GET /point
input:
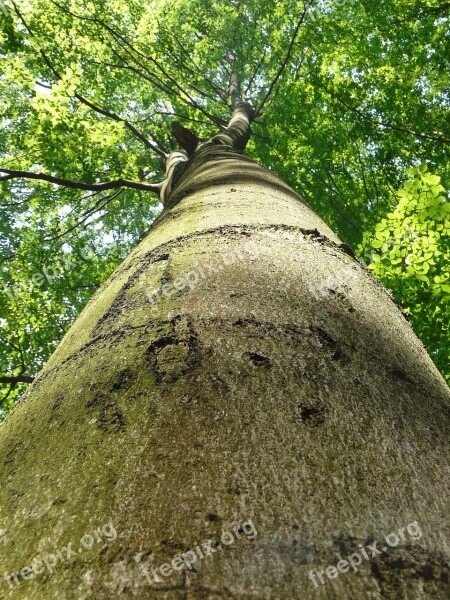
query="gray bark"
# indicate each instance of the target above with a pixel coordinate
(281, 386)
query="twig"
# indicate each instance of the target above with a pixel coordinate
(426, 136)
(287, 57)
(90, 104)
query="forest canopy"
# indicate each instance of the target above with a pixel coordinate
(352, 112)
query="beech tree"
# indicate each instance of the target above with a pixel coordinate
(89, 93)
(241, 409)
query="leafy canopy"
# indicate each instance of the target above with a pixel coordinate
(352, 96)
(410, 253)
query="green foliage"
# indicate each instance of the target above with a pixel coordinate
(362, 98)
(409, 251)
(11, 39)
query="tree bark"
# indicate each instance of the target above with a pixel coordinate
(239, 365)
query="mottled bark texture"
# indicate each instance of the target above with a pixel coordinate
(285, 387)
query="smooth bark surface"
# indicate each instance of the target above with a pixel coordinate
(282, 386)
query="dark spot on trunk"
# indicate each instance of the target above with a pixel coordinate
(162, 343)
(59, 501)
(399, 374)
(213, 517)
(389, 569)
(345, 544)
(165, 278)
(311, 232)
(328, 343)
(347, 249)
(218, 383)
(428, 572)
(98, 398)
(259, 360)
(110, 419)
(122, 380)
(312, 415)
(374, 567)
(171, 357)
(342, 300)
(160, 257)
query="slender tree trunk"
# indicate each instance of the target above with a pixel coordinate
(240, 372)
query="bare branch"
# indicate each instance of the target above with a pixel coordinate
(78, 185)
(13, 379)
(175, 166)
(180, 116)
(6, 396)
(197, 70)
(159, 150)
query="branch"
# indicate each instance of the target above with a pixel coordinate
(258, 66)
(127, 124)
(78, 185)
(120, 38)
(187, 140)
(287, 57)
(422, 12)
(235, 89)
(180, 116)
(175, 166)
(151, 77)
(99, 205)
(6, 396)
(238, 130)
(13, 379)
(426, 136)
(198, 70)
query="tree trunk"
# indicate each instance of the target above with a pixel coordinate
(240, 378)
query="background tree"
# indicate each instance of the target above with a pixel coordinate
(353, 96)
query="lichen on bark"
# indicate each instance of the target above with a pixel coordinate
(284, 386)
